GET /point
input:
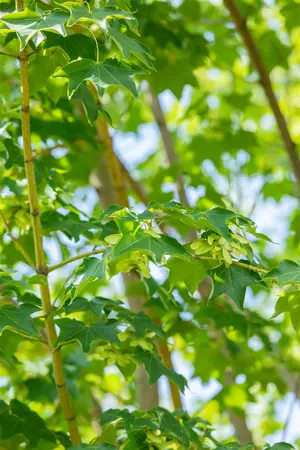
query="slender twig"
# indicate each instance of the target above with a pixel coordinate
(19, 246)
(75, 258)
(135, 185)
(168, 143)
(58, 369)
(113, 162)
(166, 357)
(170, 151)
(62, 287)
(10, 55)
(203, 289)
(234, 263)
(266, 83)
(258, 196)
(114, 175)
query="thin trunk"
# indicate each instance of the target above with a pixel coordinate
(242, 431)
(110, 182)
(167, 139)
(239, 422)
(38, 247)
(254, 53)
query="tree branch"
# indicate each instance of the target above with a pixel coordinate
(265, 80)
(74, 258)
(19, 246)
(112, 160)
(168, 143)
(59, 375)
(256, 269)
(204, 288)
(135, 185)
(10, 55)
(291, 410)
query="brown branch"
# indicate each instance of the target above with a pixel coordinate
(265, 80)
(204, 288)
(166, 357)
(110, 184)
(168, 143)
(135, 185)
(243, 433)
(112, 160)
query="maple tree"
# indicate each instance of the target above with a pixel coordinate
(112, 272)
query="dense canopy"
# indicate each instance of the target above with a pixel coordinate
(150, 225)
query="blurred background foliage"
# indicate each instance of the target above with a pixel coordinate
(208, 97)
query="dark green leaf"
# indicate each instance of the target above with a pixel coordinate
(109, 73)
(155, 247)
(81, 12)
(130, 46)
(19, 419)
(102, 446)
(288, 272)
(156, 369)
(69, 224)
(91, 268)
(142, 323)
(190, 272)
(28, 23)
(96, 305)
(75, 330)
(232, 281)
(18, 319)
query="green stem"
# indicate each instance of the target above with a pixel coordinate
(10, 55)
(74, 258)
(38, 247)
(234, 263)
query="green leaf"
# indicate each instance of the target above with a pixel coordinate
(38, 279)
(155, 369)
(288, 272)
(75, 330)
(216, 219)
(74, 45)
(190, 272)
(289, 302)
(219, 218)
(232, 281)
(95, 305)
(108, 73)
(130, 46)
(19, 419)
(273, 51)
(102, 446)
(155, 247)
(81, 12)
(235, 446)
(132, 420)
(171, 426)
(14, 154)
(41, 67)
(92, 109)
(70, 224)
(142, 323)
(91, 268)
(28, 23)
(18, 319)
(281, 446)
